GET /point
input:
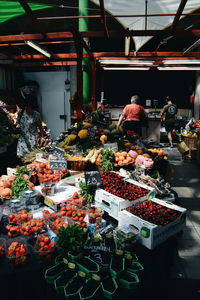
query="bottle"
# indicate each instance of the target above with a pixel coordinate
(67, 275)
(91, 287)
(110, 242)
(117, 261)
(76, 283)
(128, 258)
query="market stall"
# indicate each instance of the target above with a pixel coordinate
(85, 212)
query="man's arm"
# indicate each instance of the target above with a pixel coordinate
(162, 113)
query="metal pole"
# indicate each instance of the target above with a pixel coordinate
(83, 26)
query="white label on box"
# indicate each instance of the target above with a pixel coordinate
(112, 146)
(11, 171)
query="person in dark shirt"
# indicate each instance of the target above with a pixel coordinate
(169, 112)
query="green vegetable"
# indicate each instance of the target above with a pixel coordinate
(71, 238)
(21, 170)
(107, 160)
(88, 192)
(19, 185)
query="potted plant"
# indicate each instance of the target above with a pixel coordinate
(70, 241)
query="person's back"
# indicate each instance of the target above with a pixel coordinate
(133, 111)
(170, 111)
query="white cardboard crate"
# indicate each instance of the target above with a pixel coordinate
(113, 204)
(151, 235)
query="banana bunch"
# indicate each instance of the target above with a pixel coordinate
(92, 155)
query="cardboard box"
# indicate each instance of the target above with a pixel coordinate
(151, 235)
(113, 204)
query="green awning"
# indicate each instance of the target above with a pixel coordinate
(10, 9)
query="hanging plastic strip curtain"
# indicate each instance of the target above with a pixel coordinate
(10, 9)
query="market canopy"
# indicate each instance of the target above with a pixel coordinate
(160, 30)
(147, 14)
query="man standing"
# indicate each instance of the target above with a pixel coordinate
(169, 112)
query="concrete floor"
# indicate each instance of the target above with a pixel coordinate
(186, 268)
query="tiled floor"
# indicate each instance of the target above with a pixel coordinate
(186, 182)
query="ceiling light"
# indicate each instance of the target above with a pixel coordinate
(38, 48)
(186, 68)
(181, 62)
(126, 62)
(126, 69)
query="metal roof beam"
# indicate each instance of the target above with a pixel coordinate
(111, 55)
(114, 34)
(114, 16)
(45, 64)
(31, 15)
(178, 13)
(103, 18)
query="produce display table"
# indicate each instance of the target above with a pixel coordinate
(28, 282)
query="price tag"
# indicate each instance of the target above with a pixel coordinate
(151, 195)
(38, 156)
(92, 178)
(58, 152)
(11, 171)
(112, 146)
(58, 164)
(48, 202)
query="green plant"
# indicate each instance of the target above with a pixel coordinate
(107, 160)
(21, 170)
(71, 238)
(19, 185)
(88, 192)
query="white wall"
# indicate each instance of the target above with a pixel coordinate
(53, 99)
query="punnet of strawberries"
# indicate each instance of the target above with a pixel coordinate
(154, 213)
(116, 185)
(74, 213)
(57, 224)
(31, 227)
(19, 218)
(44, 247)
(17, 253)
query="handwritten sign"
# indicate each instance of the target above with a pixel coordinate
(99, 254)
(92, 178)
(58, 152)
(58, 164)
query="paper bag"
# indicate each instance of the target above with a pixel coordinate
(183, 148)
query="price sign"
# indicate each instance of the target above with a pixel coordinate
(58, 164)
(101, 255)
(48, 202)
(58, 152)
(92, 178)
